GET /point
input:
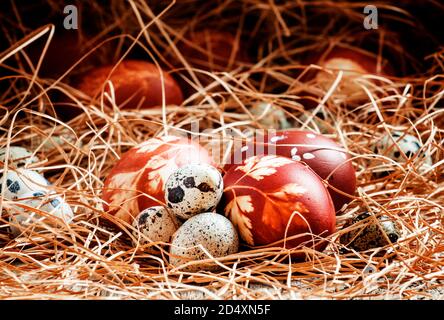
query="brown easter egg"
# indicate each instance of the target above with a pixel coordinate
(353, 64)
(137, 180)
(137, 84)
(271, 198)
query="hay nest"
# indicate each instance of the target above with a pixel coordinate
(89, 259)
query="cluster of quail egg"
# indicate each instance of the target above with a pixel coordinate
(188, 221)
(33, 201)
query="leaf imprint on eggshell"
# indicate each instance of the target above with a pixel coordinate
(124, 181)
(160, 171)
(258, 168)
(234, 210)
(284, 200)
(288, 191)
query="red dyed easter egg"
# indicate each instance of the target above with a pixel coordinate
(353, 63)
(269, 198)
(137, 180)
(323, 155)
(137, 84)
(326, 157)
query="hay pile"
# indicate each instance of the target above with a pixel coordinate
(90, 259)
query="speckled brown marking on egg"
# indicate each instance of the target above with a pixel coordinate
(193, 189)
(371, 234)
(22, 181)
(155, 224)
(211, 230)
(406, 147)
(18, 157)
(21, 219)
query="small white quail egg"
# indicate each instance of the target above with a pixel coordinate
(21, 181)
(193, 189)
(18, 157)
(406, 147)
(155, 224)
(63, 139)
(210, 230)
(22, 218)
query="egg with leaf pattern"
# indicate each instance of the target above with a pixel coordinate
(137, 180)
(328, 159)
(272, 198)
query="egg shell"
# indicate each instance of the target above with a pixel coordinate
(155, 224)
(137, 84)
(137, 180)
(327, 158)
(18, 157)
(20, 182)
(353, 62)
(262, 194)
(193, 189)
(269, 116)
(370, 232)
(401, 147)
(212, 50)
(62, 140)
(22, 218)
(212, 231)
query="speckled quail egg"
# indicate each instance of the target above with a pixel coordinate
(22, 218)
(212, 231)
(269, 116)
(21, 181)
(155, 224)
(193, 189)
(18, 157)
(64, 138)
(406, 147)
(371, 232)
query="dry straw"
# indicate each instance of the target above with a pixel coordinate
(92, 259)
